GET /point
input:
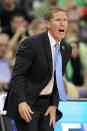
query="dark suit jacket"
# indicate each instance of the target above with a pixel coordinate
(32, 72)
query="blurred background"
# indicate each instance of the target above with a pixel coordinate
(22, 18)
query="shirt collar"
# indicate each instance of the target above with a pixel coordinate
(52, 40)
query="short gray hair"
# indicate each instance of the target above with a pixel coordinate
(49, 13)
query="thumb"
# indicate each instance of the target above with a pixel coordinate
(30, 110)
(46, 113)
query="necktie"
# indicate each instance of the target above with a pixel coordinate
(59, 78)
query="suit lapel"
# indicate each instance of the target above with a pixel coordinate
(62, 50)
(48, 52)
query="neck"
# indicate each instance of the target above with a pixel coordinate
(57, 39)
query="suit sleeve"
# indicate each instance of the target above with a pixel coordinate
(24, 59)
(55, 95)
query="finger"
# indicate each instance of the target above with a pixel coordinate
(28, 114)
(29, 109)
(24, 116)
(50, 122)
(54, 123)
(47, 112)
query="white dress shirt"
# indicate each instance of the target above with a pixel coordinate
(49, 87)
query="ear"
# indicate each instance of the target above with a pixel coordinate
(48, 25)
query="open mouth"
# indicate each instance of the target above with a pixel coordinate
(61, 30)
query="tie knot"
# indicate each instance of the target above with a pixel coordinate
(57, 47)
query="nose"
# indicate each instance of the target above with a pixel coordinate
(62, 22)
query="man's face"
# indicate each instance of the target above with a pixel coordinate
(57, 26)
(17, 22)
(3, 46)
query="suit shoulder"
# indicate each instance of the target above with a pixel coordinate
(68, 47)
(34, 37)
(31, 41)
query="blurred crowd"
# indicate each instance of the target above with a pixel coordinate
(22, 18)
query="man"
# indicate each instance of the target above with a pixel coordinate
(34, 97)
(37, 26)
(5, 71)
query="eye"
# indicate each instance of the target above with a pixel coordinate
(65, 20)
(58, 19)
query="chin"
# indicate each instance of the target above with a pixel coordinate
(62, 36)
